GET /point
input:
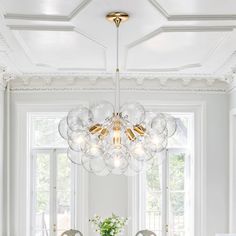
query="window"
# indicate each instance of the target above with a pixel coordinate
(53, 179)
(165, 203)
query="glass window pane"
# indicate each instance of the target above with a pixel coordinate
(177, 178)
(63, 172)
(42, 172)
(45, 132)
(153, 214)
(180, 138)
(176, 171)
(176, 213)
(64, 190)
(41, 233)
(41, 192)
(63, 210)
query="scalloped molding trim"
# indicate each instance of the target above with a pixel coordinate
(129, 81)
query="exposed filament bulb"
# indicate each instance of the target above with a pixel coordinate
(117, 132)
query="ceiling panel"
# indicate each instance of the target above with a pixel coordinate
(198, 6)
(40, 7)
(62, 50)
(172, 51)
(144, 18)
(67, 35)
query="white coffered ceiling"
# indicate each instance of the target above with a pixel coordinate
(162, 36)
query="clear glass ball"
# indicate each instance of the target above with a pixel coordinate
(117, 159)
(136, 165)
(75, 157)
(62, 128)
(156, 142)
(171, 125)
(93, 161)
(102, 112)
(94, 151)
(156, 161)
(139, 152)
(133, 113)
(78, 141)
(79, 119)
(159, 123)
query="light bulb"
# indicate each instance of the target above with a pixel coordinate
(116, 133)
(79, 140)
(138, 150)
(94, 150)
(117, 161)
(155, 140)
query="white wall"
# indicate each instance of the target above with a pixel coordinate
(232, 100)
(1, 156)
(232, 179)
(109, 194)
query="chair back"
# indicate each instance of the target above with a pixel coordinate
(145, 233)
(72, 232)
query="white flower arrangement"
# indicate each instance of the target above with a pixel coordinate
(111, 226)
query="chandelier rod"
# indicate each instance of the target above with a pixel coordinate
(117, 21)
(117, 18)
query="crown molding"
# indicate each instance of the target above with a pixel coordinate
(2, 84)
(129, 81)
(232, 84)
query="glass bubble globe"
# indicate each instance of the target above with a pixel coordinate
(79, 119)
(78, 141)
(102, 112)
(133, 113)
(158, 123)
(171, 125)
(62, 128)
(74, 156)
(116, 159)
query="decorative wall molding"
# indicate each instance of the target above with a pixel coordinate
(130, 81)
(73, 14)
(3, 82)
(66, 28)
(181, 28)
(42, 27)
(192, 17)
(232, 84)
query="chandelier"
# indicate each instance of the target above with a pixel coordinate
(116, 139)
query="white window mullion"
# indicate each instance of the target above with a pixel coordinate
(166, 194)
(188, 195)
(53, 198)
(33, 190)
(74, 206)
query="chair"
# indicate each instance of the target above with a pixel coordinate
(71, 232)
(145, 233)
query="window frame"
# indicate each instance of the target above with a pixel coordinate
(198, 109)
(53, 153)
(165, 191)
(81, 178)
(21, 210)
